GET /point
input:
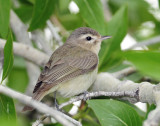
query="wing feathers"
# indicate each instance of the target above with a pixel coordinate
(46, 87)
(62, 66)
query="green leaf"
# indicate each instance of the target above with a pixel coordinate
(8, 56)
(71, 21)
(5, 6)
(110, 52)
(138, 11)
(18, 79)
(149, 109)
(63, 7)
(92, 13)
(7, 110)
(24, 12)
(55, 124)
(43, 9)
(115, 113)
(136, 77)
(147, 62)
(32, 1)
(140, 112)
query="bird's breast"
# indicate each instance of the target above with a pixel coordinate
(77, 85)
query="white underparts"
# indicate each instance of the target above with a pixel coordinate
(77, 85)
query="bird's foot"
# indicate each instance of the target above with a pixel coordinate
(56, 105)
(85, 98)
(55, 102)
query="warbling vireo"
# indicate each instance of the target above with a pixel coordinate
(72, 68)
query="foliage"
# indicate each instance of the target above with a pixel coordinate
(143, 60)
(41, 12)
(5, 6)
(137, 9)
(7, 111)
(92, 13)
(109, 54)
(115, 113)
(127, 17)
(8, 56)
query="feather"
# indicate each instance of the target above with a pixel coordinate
(64, 64)
(67, 62)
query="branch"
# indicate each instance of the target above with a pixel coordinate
(153, 118)
(40, 120)
(58, 24)
(151, 41)
(132, 94)
(20, 31)
(108, 83)
(39, 37)
(106, 10)
(104, 82)
(59, 116)
(27, 52)
(54, 33)
(123, 73)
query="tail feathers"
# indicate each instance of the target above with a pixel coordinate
(36, 96)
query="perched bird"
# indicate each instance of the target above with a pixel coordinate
(72, 68)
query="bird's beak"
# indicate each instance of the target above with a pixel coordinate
(105, 37)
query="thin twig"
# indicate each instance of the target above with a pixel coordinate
(151, 41)
(54, 33)
(91, 95)
(40, 120)
(107, 13)
(104, 81)
(39, 37)
(100, 93)
(59, 116)
(124, 72)
(58, 24)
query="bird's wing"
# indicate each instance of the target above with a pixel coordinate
(65, 63)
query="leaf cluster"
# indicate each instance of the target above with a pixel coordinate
(128, 17)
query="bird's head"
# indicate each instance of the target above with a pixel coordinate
(87, 38)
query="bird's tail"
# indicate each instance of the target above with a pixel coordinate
(36, 96)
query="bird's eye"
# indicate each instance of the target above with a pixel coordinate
(88, 38)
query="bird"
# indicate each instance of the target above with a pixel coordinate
(72, 68)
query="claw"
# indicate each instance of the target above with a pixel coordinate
(55, 102)
(85, 93)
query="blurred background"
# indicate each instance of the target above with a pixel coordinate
(45, 25)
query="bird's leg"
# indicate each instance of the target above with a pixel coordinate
(55, 102)
(85, 93)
